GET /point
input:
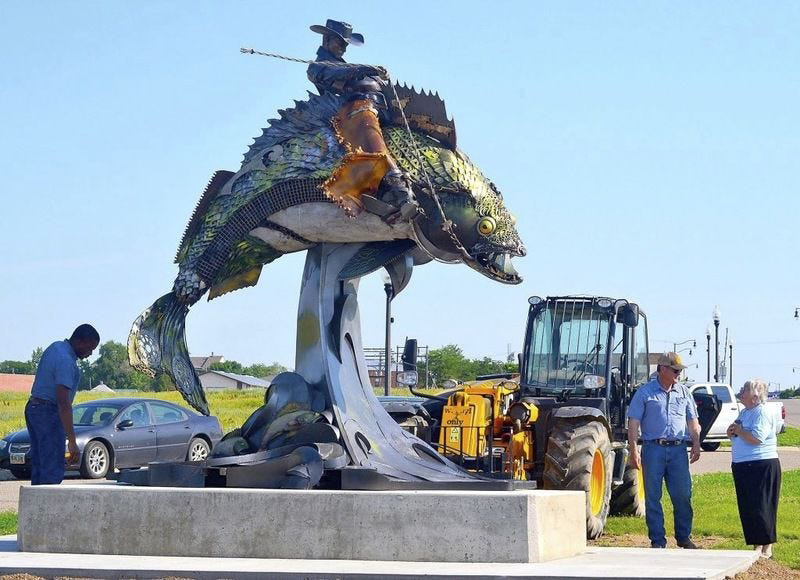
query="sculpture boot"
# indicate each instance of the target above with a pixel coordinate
(396, 192)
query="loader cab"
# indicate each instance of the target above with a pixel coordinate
(584, 350)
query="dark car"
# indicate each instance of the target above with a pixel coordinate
(124, 433)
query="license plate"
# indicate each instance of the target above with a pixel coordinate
(17, 458)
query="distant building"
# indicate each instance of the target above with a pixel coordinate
(10, 382)
(220, 380)
(102, 388)
(203, 363)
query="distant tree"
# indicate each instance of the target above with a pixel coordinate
(161, 383)
(486, 366)
(510, 367)
(36, 356)
(86, 375)
(17, 367)
(262, 371)
(113, 369)
(448, 362)
(229, 366)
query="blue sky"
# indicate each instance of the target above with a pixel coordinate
(648, 150)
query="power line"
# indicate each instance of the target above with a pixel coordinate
(767, 342)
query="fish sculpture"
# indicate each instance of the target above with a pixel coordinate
(277, 203)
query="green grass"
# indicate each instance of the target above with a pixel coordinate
(790, 437)
(8, 523)
(230, 407)
(716, 514)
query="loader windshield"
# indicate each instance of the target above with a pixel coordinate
(567, 342)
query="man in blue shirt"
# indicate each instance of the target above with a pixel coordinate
(48, 413)
(667, 415)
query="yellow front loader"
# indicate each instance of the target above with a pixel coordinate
(483, 428)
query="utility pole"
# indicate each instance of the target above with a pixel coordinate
(730, 368)
(716, 344)
(675, 346)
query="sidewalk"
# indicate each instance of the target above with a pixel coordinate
(595, 563)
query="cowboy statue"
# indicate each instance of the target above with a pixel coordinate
(368, 167)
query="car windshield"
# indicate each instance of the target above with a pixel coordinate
(93, 413)
(567, 342)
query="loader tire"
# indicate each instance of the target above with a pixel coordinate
(628, 498)
(579, 458)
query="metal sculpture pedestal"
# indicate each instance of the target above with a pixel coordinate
(330, 357)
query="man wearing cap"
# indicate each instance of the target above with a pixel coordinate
(666, 412)
(368, 168)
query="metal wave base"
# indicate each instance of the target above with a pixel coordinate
(357, 446)
(330, 357)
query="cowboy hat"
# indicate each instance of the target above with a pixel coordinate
(341, 29)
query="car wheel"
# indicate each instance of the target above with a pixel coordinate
(96, 460)
(20, 472)
(710, 446)
(198, 450)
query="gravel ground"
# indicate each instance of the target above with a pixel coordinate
(763, 569)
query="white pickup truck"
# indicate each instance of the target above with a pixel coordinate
(729, 412)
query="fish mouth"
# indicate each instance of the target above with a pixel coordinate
(497, 266)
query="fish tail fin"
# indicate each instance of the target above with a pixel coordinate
(157, 343)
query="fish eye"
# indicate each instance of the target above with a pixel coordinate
(486, 226)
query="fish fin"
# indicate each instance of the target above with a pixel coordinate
(373, 256)
(235, 282)
(157, 343)
(215, 184)
(243, 266)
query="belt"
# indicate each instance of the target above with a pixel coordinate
(377, 97)
(666, 442)
(38, 401)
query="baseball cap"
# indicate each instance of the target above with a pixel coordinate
(671, 359)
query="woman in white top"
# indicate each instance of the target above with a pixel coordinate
(756, 469)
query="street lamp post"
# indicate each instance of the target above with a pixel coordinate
(389, 289)
(708, 354)
(716, 344)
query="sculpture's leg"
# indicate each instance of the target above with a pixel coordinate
(330, 356)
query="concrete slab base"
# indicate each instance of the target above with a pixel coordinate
(424, 526)
(606, 563)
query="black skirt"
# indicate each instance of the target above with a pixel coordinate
(758, 485)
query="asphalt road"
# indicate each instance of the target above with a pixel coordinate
(720, 460)
(792, 411)
(9, 487)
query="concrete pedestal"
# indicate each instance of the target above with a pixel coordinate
(424, 526)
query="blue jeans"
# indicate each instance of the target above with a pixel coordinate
(47, 443)
(670, 464)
